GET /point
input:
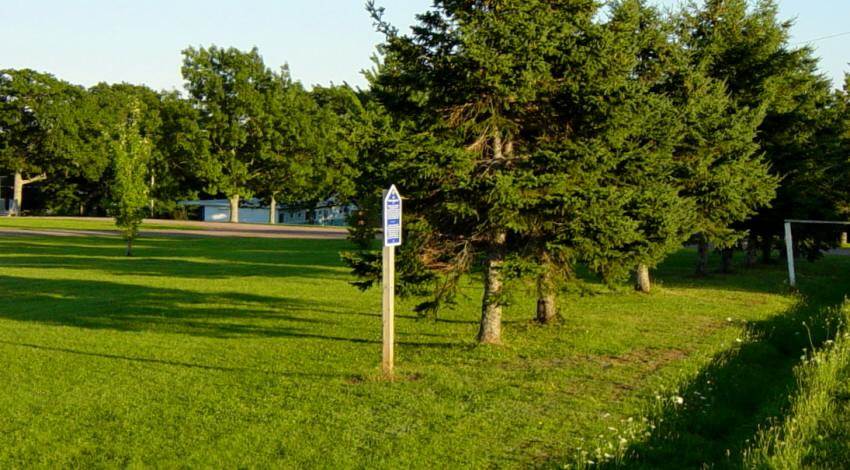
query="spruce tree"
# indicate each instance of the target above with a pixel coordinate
(468, 80)
(747, 48)
(604, 188)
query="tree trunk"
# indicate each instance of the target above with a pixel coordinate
(490, 329)
(234, 209)
(547, 310)
(18, 191)
(129, 247)
(843, 238)
(152, 201)
(702, 257)
(726, 257)
(272, 211)
(642, 280)
(752, 243)
(766, 249)
(17, 195)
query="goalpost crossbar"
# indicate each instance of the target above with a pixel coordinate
(789, 243)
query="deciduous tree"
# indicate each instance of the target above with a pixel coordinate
(232, 91)
(131, 154)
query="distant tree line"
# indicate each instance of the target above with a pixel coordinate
(528, 137)
(241, 131)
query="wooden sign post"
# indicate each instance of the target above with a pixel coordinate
(392, 239)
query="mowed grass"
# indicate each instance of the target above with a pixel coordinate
(257, 352)
(104, 224)
(94, 224)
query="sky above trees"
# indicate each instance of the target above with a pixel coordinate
(329, 41)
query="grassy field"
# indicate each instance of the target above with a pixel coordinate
(247, 352)
(99, 224)
(816, 431)
(51, 223)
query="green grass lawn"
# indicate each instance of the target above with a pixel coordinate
(257, 352)
(59, 223)
(50, 223)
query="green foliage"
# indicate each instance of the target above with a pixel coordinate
(42, 126)
(233, 91)
(602, 184)
(537, 123)
(746, 47)
(131, 154)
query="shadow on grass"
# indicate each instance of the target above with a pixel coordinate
(125, 307)
(204, 259)
(148, 360)
(739, 391)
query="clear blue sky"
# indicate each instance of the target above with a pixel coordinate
(323, 41)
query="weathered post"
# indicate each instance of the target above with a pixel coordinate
(392, 239)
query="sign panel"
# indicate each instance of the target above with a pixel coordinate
(392, 217)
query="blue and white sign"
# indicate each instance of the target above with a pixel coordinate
(392, 217)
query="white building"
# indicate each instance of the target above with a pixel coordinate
(252, 211)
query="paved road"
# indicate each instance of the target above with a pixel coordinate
(184, 228)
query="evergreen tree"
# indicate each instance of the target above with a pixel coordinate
(467, 80)
(746, 47)
(603, 187)
(537, 138)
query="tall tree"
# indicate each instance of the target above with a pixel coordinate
(603, 183)
(537, 142)
(178, 144)
(308, 159)
(131, 154)
(40, 130)
(746, 47)
(232, 90)
(467, 75)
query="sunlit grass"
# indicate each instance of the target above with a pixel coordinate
(246, 352)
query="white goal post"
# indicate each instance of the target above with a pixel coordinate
(789, 244)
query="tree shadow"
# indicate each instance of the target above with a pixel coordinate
(148, 360)
(715, 416)
(208, 259)
(127, 307)
(678, 271)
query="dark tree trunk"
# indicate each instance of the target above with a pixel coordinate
(752, 255)
(546, 301)
(490, 329)
(766, 249)
(702, 257)
(726, 257)
(643, 282)
(129, 247)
